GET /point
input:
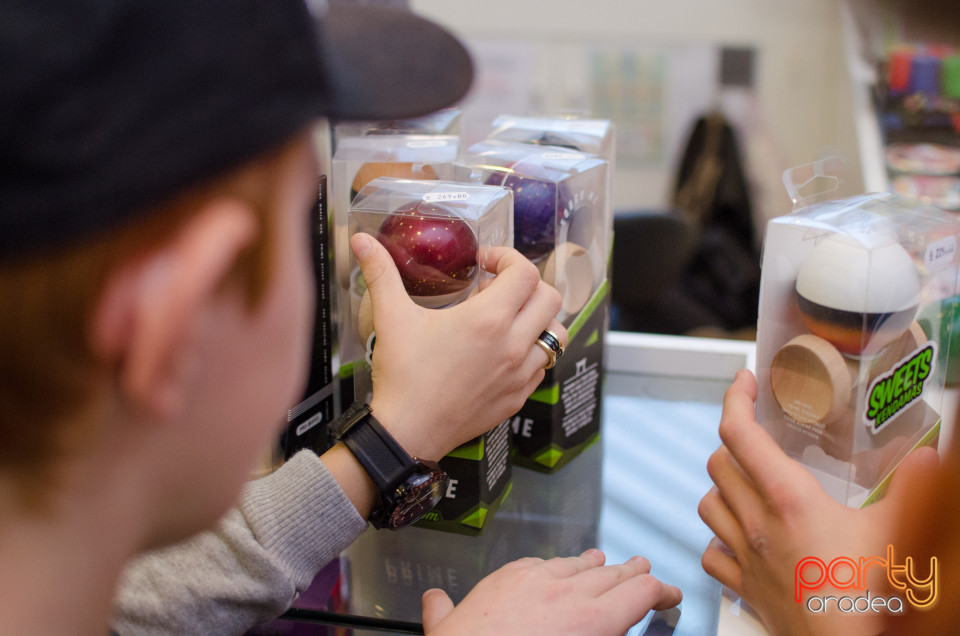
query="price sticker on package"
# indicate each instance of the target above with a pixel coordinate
(438, 197)
(940, 252)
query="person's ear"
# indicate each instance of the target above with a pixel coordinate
(150, 306)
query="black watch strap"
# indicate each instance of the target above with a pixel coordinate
(406, 487)
(380, 455)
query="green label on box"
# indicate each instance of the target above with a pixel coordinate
(562, 417)
(480, 480)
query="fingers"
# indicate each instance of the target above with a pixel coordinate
(497, 258)
(538, 354)
(534, 377)
(735, 491)
(600, 580)
(517, 278)
(559, 331)
(714, 512)
(518, 286)
(738, 419)
(539, 310)
(628, 586)
(435, 605)
(760, 457)
(381, 277)
(579, 594)
(720, 564)
(519, 281)
(667, 596)
(561, 567)
(588, 567)
(570, 566)
(633, 592)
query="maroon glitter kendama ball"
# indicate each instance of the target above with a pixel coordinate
(434, 249)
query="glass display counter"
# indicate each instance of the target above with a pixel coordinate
(634, 492)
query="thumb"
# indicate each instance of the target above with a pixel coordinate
(379, 273)
(436, 605)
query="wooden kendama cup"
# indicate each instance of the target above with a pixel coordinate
(569, 269)
(818, 386)
(395, 169)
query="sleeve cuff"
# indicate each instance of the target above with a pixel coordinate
(301, 515)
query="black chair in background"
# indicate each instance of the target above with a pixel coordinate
(651, 251)
(694, 268)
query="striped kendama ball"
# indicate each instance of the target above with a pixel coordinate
(856, 295)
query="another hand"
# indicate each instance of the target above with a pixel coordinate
(444, 376)
(769, 512)
(574, 595)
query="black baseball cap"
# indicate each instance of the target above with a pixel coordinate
(109, 106)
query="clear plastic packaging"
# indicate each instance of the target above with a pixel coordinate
(855, 314)
(438, 233)
(561, 213)
(594, 136)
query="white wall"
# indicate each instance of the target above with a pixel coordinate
(802, 98)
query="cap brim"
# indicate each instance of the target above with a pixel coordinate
(388, 63)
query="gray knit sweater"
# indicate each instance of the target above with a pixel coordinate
(248, 570)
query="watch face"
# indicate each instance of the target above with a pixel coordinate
(417, 496)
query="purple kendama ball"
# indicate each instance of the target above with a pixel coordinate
(434, 249)
(536, 211)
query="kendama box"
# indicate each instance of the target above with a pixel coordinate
(481, 479)
(439, 234)
(561, 419)
(357, 160)
(576, 133)
(446, 121)
(307, 420)
(560, 212)
(594, 136)
(561, 221)
(853, 335)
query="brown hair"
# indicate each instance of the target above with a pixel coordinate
(51, 376)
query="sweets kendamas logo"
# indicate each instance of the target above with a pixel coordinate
(842, 573)
(890, 394)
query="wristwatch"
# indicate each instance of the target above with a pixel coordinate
(407, 487)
